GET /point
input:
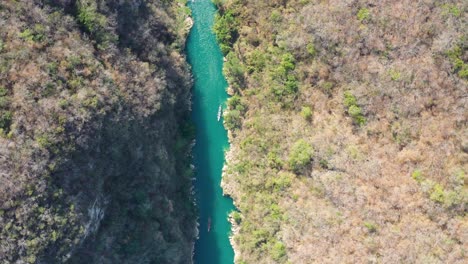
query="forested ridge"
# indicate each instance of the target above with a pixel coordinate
(94, 132)
(348, 134)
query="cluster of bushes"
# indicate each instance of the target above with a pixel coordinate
(460, 66)
(285, 83)
(234, 71)
(225, 28)
(354, 110)
(233, 117)
(95, 23)
(37, 34)
(300, 156)
(457, 197)
(6, 115)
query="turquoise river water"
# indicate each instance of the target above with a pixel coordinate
(209, 93)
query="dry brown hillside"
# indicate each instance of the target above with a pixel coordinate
(348, 126)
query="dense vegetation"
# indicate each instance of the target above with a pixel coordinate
(94, 95)
(348, 130)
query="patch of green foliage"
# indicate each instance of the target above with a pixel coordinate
(95, 23)
(233, 116)
(363, 14)
(89, 17)
(394, 75)
(300, 156)
(278, 251)
(306, 113)
(437, 193)
(256, 61)
(354, 110)
(232, 119)
(451, 9)
(275, 16)
(6, 116)
(33, 35)
(371, 227)
(327, 87)
(287, 64)
(234, 71)
(236, 216)
(225, 28)
(286, 84)
(311, 49)
(417, 176)
(459, 66)
(280, 183)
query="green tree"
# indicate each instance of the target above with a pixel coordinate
(225, 28)
(300, 156)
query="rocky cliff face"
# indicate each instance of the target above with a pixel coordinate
(94, 101)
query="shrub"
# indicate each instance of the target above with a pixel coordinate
(274, 161)
(327, 87)
(349, 99)
(90, 18)
(234, 101)
(311, 49)
(463, 73)
(275, 16)
(3, 91)
(280, 182)
(300, 156)
(282, 91)
(353, 109)
(4, 102)
(394, 75)
(225, 28)
(95, 23)
(371, 227)
(52, 68)
(236, 216)
(324, 164)
(292, 84)
(278, 251)
(232, 119)
(437, 193)
(417, 176)
(27, 34)
(363, 14)
(6, 118)
(355, 112)
(44, 141)
(451, 9)
(459, 66)
(36, 35)
(306, 113)
(256, 61)
(288, 63)
(234, 71)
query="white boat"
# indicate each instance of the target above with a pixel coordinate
(220, 111)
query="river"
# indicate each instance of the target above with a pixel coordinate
(209, 93)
